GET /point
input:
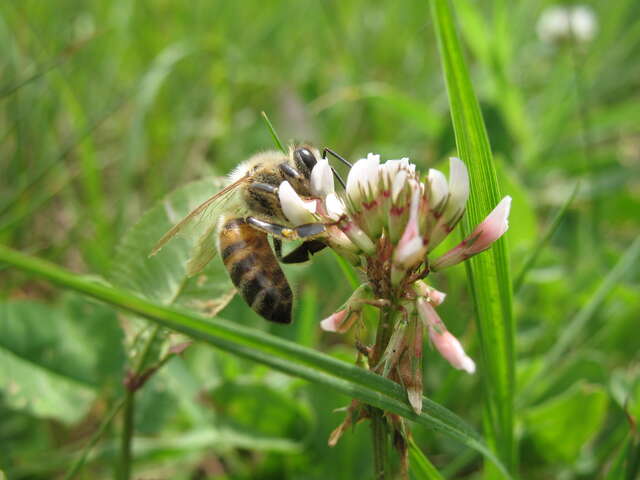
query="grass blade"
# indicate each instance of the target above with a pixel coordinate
(577, 325)
(488, 273)
(274, 134)
(421, 467)
(535, 253)
(285, 356)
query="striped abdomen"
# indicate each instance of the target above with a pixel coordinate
(254, 270)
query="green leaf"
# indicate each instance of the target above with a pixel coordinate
(163, 277)
(561, 426)
(260, 409)
(53, 358)
(275, 352)
(488, 272)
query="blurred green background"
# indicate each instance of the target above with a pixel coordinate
(107, 106)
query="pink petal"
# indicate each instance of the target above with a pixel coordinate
(450, 348)
(490, 230)
(435, 297)
(332, 323)
(410, 248)
(448, 345)
(493, 227)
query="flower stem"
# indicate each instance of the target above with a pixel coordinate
(127, 434)
(80, 461)
(129, 408)
(383, 334)
(380, 445)
(584, 118)
(379, 429)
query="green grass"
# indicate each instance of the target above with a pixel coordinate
(488, 274)
(106, 107)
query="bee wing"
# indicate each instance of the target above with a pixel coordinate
(204, 250)
(205, 212)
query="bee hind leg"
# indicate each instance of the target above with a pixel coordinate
(301, 253)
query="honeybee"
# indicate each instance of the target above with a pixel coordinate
(241, 216)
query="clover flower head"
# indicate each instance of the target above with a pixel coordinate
(559, 24)
(388, 221)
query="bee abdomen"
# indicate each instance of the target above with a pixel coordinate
(254, 270)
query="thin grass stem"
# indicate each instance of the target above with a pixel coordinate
(81, 460)
(274, 134)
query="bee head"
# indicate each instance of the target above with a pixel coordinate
(305, 159)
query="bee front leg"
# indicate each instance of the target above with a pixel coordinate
(262, 198)
(307, 231)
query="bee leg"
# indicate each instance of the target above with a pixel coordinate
(290, 172)
(277, 246)
(302, 253)
(263, 198)
(263, 188)
(301, 232)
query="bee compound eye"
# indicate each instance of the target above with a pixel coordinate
(307, 157)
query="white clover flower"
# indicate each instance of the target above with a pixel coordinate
(583, 23)
(388, 221)
(559, 24)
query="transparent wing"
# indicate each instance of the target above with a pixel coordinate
(204, 251)
(204, 214)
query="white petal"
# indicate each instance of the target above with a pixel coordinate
(399, 182)
(354, 180)
(335, 207)
(392, 166)
(583, 22)
(439, 187)
(297, 211)
(358, 237)
(409, 253)
(322, 179)
(553, 24)
(458, 185)
(372, 174)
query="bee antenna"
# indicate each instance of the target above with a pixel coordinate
(338, 177)
(339, 157)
